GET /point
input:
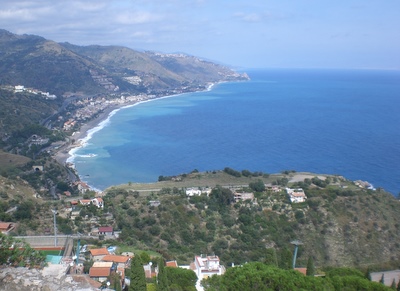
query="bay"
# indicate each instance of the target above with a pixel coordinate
(344, 122)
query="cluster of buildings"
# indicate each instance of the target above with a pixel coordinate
(89, 107)
(21, 88)
(105, 263)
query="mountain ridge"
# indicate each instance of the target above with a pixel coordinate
(34, 61)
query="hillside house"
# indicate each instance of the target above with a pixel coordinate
(106, 231)
(121, 261)
(243, 196)
(193, 192)
(296, 195)
(206, 266)
(197, 191)
(82, 187)
(98, 254)
(101, 270)
(98, 202)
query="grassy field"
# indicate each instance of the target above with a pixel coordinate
(211, 179)
(8, 161)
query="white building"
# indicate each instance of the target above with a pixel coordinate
(296, 195)
(197, 191)
(98, 202)
(193, 192)
(206, 266)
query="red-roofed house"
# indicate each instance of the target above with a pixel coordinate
(99, 273)
(172, 264)
(98, 254)
(106, 230)
(122, 261)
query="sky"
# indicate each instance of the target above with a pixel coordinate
(354, 34)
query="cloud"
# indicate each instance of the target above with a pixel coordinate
(23, 13)
(136, 17)
(248, 17)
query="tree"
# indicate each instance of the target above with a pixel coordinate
(222, 196)
(270, 257)
(393, 286)
(162, 283)
(286, 259)
(257, 186)
(181, 279)
(18, 253)
(115, 281)
(258, 276)
(144, 258)
(310, 266)
(382, 280)
(138, 277)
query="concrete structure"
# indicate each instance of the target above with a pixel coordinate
(388, 277)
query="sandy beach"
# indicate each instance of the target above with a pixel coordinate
(62, 154)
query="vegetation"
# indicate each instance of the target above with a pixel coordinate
(239, 232)
(137, 276)
(180, 279)
(19, 254)
(162, 283)
(258, 276)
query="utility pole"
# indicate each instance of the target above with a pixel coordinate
(55, 226)
(296, 244)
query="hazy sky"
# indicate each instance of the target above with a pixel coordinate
(241, 33)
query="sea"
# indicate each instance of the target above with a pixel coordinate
(343, 122)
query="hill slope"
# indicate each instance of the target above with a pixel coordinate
(339, 224)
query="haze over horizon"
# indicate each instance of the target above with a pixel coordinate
(256, 34)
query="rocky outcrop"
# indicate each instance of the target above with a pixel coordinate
(48, 279)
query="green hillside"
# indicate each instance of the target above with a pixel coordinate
(339, 225)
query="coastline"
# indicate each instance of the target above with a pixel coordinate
(65, 153)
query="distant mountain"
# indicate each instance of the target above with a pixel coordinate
(58, 68)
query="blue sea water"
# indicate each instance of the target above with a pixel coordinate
(343, 122)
